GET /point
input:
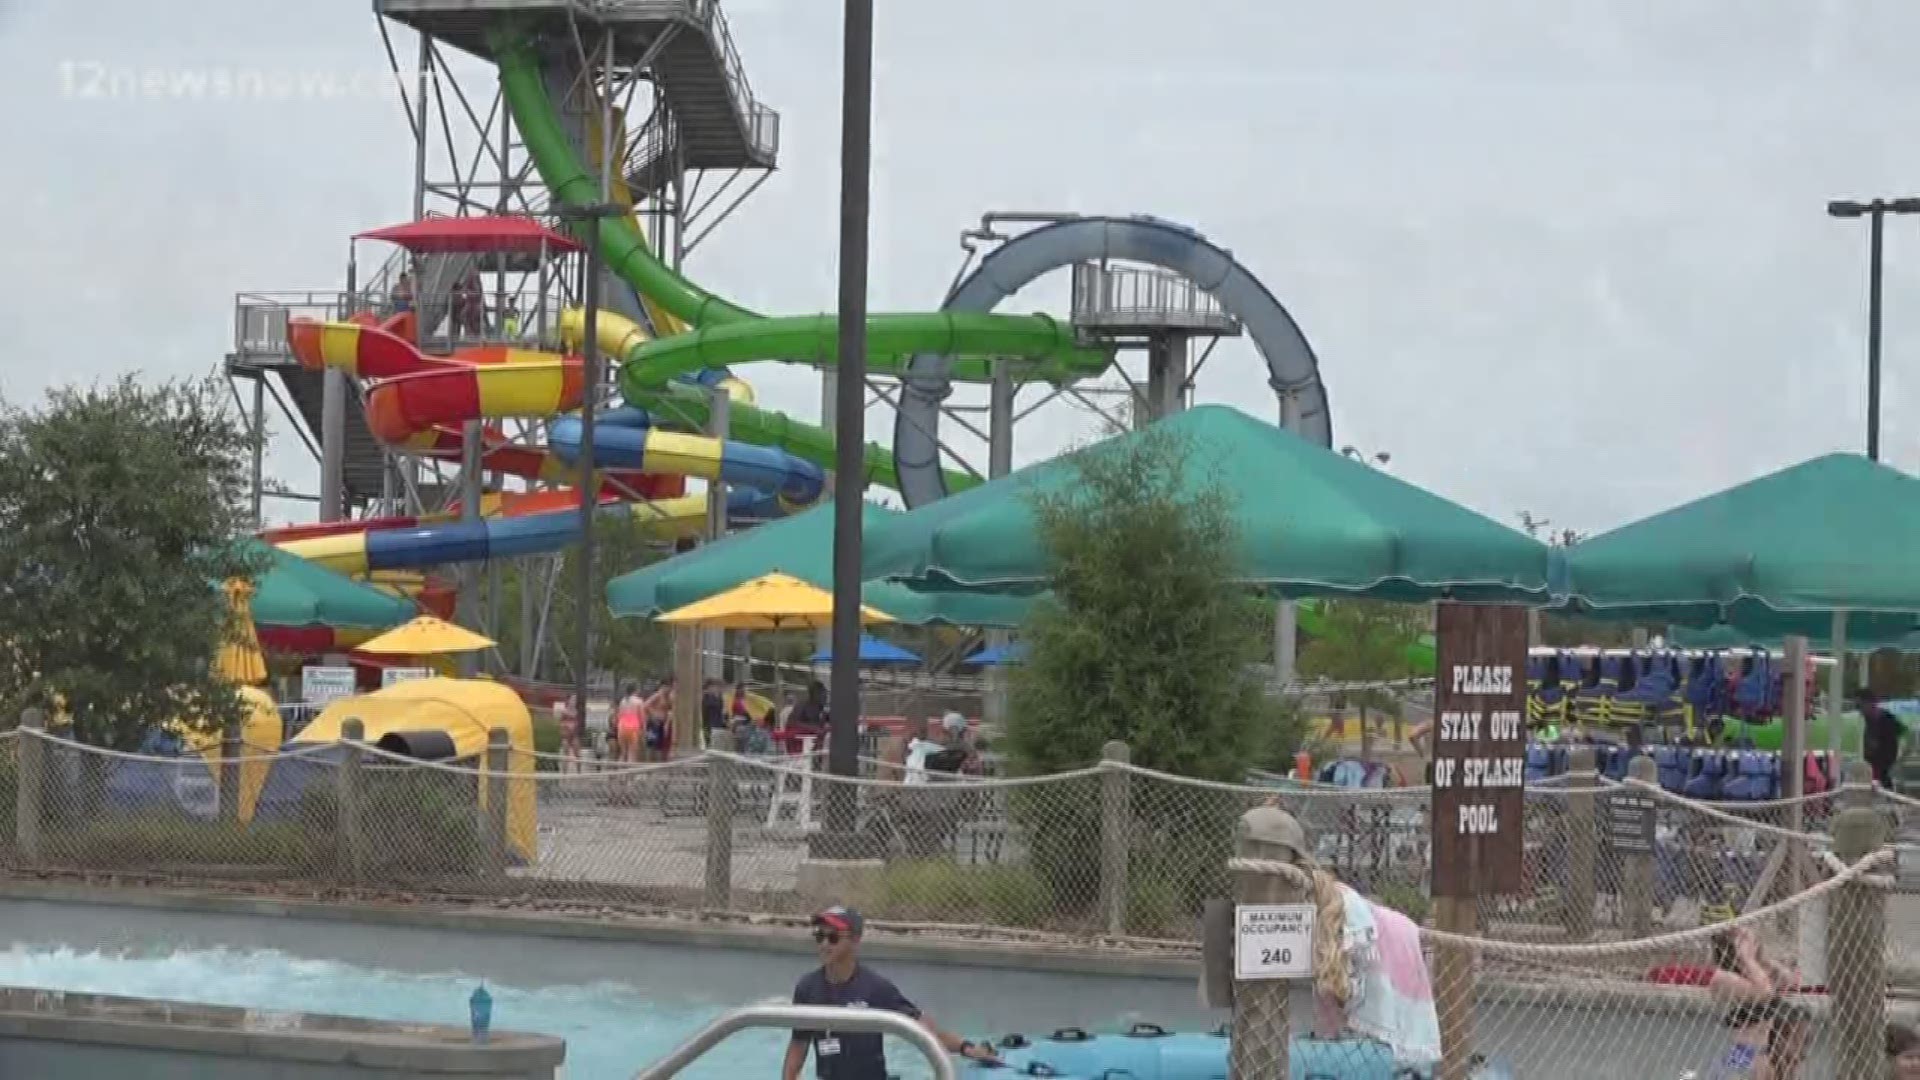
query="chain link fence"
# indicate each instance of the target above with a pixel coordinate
(1628, 907)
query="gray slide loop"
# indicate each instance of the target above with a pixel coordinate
(1291, 366)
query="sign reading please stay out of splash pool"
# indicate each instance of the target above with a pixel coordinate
(1479, 749)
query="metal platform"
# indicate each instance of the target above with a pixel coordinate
(1132, 302)
(684, 44)
(260, 351)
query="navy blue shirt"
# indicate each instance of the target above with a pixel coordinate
(853, 1055)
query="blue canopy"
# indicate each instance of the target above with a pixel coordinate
(1013, 652)
(872, 651)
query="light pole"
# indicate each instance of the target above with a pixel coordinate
(589, 397)
(850, 426)
(1875, 211)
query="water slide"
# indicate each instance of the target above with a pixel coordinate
(772, 462)
(417, 400)
(1292, 369)
(1419, 655)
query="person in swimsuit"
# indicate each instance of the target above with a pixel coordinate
(658, 716)
(626, 725)
(569, 721)
(1769, 1032)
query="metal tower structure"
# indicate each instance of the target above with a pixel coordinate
(652, 91)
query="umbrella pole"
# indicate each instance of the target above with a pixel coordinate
(1836, 689)
(779, 674)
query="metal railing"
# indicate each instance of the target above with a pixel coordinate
(802, 1018)
(1128, 296)
(710, 15)
(764, 130)
(260, 318)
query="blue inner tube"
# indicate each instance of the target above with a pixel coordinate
(1149, 1052)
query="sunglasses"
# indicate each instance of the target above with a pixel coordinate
(827, 937)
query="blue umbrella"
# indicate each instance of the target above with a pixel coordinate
(872, 651)
(1013, 652)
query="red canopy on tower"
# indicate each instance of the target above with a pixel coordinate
(475, 235)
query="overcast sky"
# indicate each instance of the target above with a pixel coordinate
(1569, 258)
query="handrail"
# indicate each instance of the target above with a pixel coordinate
(801, 1017)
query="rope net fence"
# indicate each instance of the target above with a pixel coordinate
(1599, 966)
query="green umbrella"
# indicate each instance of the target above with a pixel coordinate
(294, 592)
(1723, 636)
(803, 547)
(1774, 556)
(1311, 522)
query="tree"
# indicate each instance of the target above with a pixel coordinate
(1364, 641)
(1147, 637)
(121, 504)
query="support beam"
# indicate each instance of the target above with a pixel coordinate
(472, 489)
(1166, 375)
(829, 418)
(714, 642)
(334, 398)
(1000, 418)
(259, 445)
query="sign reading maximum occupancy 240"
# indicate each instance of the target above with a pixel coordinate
(1479, 749)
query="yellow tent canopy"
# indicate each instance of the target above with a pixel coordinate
(464, 710)
(259, 734)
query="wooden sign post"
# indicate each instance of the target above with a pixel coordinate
(1477, 819)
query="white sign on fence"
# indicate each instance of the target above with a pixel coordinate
(392, 675)
(1272, 941)
(319, 684)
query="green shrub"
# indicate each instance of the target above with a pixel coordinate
(938, 890)
(546, 737)
(154, 842)
(9, 773)
(416, 821)
(1153, 904)
(1408, 900)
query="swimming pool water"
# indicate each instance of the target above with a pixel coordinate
(622, 1005)
(611, 1029)
(618, 1006)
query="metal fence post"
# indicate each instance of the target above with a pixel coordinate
(1262, 1030)
(1583, 840)
(1636, 867)
(722, 790)
(494, 835)
(1856, 940)
(29, 786)
(351, 794)
(1116, 826)
(230, 750)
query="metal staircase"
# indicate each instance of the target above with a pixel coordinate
(685, 46)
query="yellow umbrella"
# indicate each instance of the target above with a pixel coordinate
(239, 660)
(425, 636)
(773, 601)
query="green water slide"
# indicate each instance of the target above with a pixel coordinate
(1419, 654)
(1048, 346)
(724, 332)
